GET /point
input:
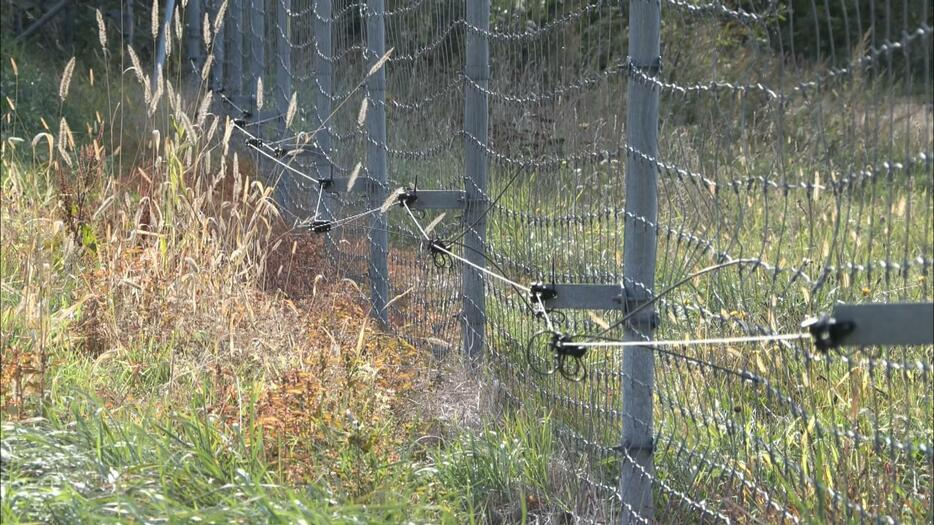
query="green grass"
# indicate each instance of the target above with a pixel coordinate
(147, 364)
(83, 463)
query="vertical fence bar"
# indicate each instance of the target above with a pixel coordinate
(233, 86)
(283, 57)
(193, 50)
(476, 126)
(283, 89)
(639, 247)
(217, 48)
(323, 75)
(376, 159)
(257, 44)
(164, 32)
(129, 22)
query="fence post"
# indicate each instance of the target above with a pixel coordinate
(283, 90)
(476, 127)
(376, 160)
(283, 57)
(322, 38)
(193, 49)
(165, 31)
(257, 43)
(233, 86)
(639, 246)
(217, 45)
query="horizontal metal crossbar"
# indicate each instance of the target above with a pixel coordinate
(886, 324)
(339, 184)
(584, 297)
(439, 200)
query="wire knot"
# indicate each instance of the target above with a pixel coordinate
(566, 358)
(439, 254)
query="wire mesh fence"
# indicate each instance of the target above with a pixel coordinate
(784, 146)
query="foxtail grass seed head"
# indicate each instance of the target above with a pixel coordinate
(66, 79)
(206, 68)
(204, 107)
(178, 24)
(154, 103)
(259, 92)
(65, 140)
(599, 321)
(14, 66)
(434, 223)
(101, 30)
(50, 141)
(137, 67)
(155, 19)
(167, 41)
(190, 132)
(219, 19)
(228, 131)
(206, 31)
(173, 101)
(213, 129)
(293, 108)
(379, 63)
(353, 176)
(393, 197)
(361, 115)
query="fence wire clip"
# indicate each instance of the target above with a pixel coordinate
(437, 246)
(281, 152)
(564, 345)
(321, 225)
(407, 197)
(569, 361)
(542, 291)
(255, 142)
(439, 254)
(628, 447)
(650, 70)
(239, 122)
(827, 331)
(566, 358)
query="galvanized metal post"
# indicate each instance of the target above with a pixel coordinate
(234, 84)
(217, 47)
(164, 32)
(257, 44)
(283, 90)
(376, 159)
(476, 109)
(639, 247)
(322, 39)
(283, 57)
(195, 53)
